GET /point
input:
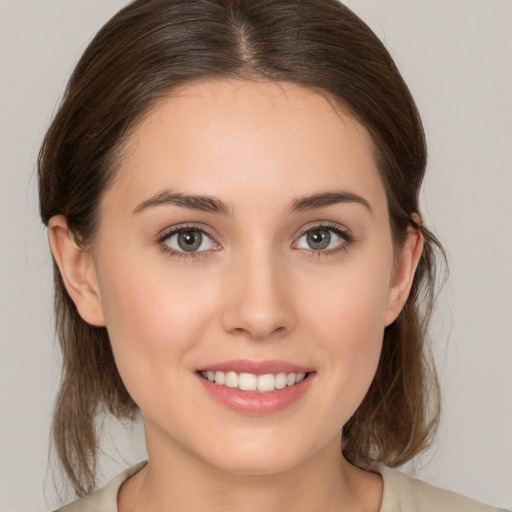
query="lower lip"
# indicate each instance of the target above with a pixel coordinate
(253, 402)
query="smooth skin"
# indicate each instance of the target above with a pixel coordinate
(256, 288)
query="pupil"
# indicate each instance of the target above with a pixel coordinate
(190, 240)
(319, 239)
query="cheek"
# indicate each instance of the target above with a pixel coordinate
(152, 321)
(349, 306)
(146, 300)
(347, 316)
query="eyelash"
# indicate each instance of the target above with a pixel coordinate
(172, 253)
(346, 239)
(342, 233)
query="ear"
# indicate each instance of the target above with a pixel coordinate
(404, 268)
(78, 271)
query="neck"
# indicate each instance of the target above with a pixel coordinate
(177, 480)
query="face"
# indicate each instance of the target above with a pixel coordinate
(246, 239)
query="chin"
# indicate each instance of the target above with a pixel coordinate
(260, 455)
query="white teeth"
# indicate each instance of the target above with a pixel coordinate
(266, 382)
(251, 382)
(231, 380)
(280, 381)
(247, 382)
(290, 380)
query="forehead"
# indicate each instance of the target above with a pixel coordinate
(216, 136)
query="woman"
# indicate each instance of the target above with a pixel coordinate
(231, 191)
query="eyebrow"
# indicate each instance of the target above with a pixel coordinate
(211, 204)
(191, 201)
(325, 199)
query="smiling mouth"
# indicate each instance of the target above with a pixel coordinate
(252, 382)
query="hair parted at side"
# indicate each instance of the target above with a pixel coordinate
(153, 46)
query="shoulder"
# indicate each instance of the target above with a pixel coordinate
(403, 493)
(104, 499)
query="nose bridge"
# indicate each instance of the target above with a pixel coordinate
(257, 303)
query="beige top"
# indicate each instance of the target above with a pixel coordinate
(402, 493)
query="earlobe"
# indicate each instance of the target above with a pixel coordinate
(406, 262)
(78, 271)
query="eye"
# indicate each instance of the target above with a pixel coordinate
(188, 240)
(323, 238)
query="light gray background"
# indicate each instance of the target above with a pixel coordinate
(456, 57)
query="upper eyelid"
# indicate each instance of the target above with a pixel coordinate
(335, 226)
(171, 230)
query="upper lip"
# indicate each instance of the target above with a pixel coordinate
(256, 367)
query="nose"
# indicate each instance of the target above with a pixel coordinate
(257, 298)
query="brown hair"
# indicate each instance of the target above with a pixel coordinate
(153, 46)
